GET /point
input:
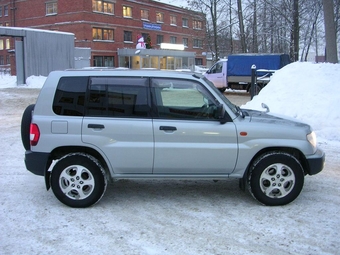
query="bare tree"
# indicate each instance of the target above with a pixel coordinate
(255, 41)
(214, 9)
(331, 48)
(309, 24)
(295, 32)
(267, 26)
(241, 26)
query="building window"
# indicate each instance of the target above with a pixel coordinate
(1, 60)
(127, 36)
(1, 44)
(160, 39)
(51, 8)
(160, 17)
(127, 11)
(198, 61)
(8, 44)
(197, 24)
(6, 24)
(102, 34)
(103, 61)
(198, 43)
(185, 22)
(173, 20)
(185, 42)
(0, 11)
(144, 14)
(145, 35)
(7, 60)
(6, 10)
(102, 6)
(173, 39)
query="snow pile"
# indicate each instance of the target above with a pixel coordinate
(7, 81)
(35, 81)
(308, 92)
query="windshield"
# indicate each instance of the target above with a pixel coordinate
(236, 110)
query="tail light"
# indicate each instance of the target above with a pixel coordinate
(34, 134)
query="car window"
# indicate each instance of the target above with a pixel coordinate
(118, 97)
(217, 68)
(70, 96)
(183, 99)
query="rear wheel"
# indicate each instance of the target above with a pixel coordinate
(276, 178)
(78, 180)
(25, 126)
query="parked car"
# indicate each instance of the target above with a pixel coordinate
(89, 127)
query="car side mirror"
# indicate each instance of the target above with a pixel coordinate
(221, 114)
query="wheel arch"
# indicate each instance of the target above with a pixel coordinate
(59, 152)
(293, 151)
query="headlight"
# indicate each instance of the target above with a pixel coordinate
(311, 137)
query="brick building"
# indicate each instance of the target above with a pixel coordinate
(110, 29)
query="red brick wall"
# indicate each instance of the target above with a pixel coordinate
(77, 17)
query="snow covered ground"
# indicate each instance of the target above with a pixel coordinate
(179, 217)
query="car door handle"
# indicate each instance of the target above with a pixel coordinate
(96, 126)
(167, 128)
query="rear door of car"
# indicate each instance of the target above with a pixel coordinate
(189, 139)
(118, 122)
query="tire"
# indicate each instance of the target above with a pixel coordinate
(25, 126)
(78, 180)
(276, 178)
(222, 89)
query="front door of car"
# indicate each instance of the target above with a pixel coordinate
(189, 139)
(118, 123)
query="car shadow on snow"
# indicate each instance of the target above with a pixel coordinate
(135, 191)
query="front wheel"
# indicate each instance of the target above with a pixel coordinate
(78, 180)
(276, 178)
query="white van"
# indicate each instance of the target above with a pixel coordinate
(217, 74)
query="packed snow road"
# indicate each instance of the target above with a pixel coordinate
(159, 216)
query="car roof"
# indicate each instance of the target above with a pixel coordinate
(127, 72)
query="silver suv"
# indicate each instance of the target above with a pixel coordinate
(92, 126)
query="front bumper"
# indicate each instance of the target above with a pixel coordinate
(36, 162)
(316, 162)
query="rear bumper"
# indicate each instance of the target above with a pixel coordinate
(316, 162)
(36, 162)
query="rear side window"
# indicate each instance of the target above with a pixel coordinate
(118, 97)
(69, 98)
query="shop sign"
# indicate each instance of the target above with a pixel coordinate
(151, 26)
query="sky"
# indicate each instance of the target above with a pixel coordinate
(180, 3)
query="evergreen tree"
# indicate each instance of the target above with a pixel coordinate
(148, 42)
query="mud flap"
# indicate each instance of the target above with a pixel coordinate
(47, 179)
